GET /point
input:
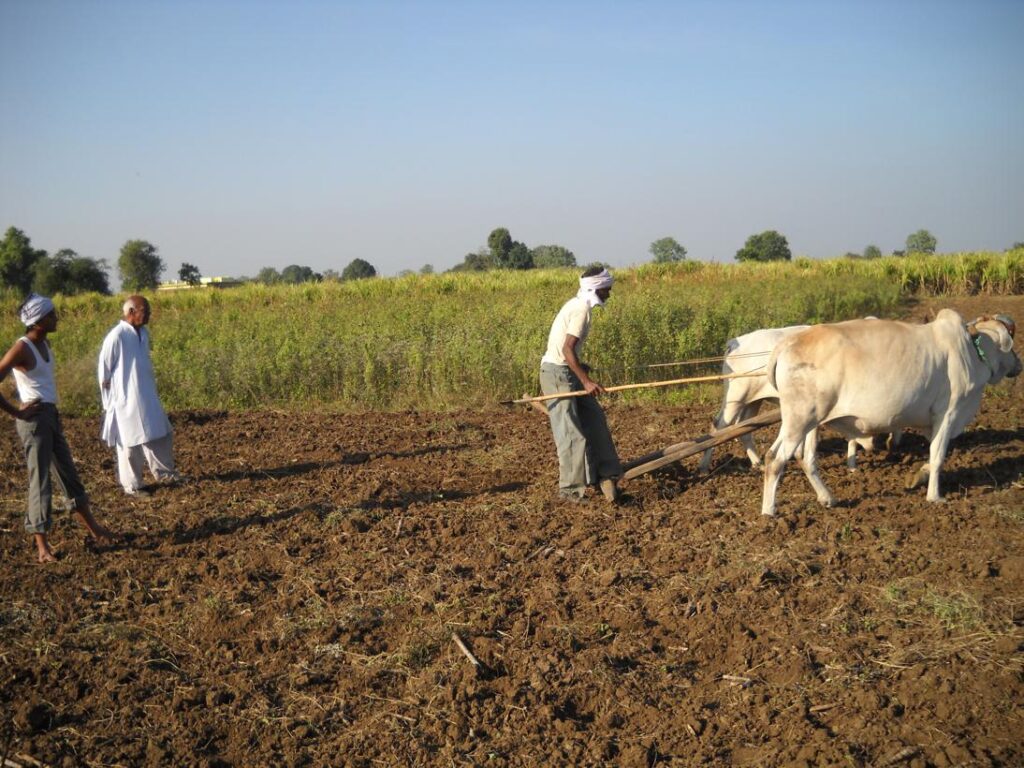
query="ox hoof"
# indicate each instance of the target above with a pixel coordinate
(937, 500)
(916, 481)
(769, 513)
(827, 502)
(918, 478)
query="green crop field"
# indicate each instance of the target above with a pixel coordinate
(455, 340)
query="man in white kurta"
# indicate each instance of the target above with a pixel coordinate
(134, 421)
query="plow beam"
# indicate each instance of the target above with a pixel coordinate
(680, 451)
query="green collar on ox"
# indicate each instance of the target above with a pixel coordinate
(976, 340)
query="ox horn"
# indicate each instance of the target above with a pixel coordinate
(1008, 323)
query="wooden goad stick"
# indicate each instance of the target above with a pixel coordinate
(622, 387)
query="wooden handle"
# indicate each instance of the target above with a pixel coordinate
(622, 387)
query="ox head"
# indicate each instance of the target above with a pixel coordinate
(1007, 321)
(1000, 329)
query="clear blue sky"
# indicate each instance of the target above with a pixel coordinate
(236, 135)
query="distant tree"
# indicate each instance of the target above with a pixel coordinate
(294, 274)
(547, 256)
(1016, 246)
(268, 276)
(500, 243)
(667, 250)
(88, 275)
(921, 241)
(331, 276)
(518, 257)
(140, 266)
(766, 246)
(189, 273)
(427, 269)
(478, 261)
(68, 273)
(50, 273)
(899, 253)
(872, 252)
(17, 260)
(507, 253)
(358, 269)
(851, 255)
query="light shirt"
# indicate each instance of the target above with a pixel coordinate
(572, 319)
(39, 383)
(133, 414)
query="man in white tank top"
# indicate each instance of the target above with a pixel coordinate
(38, 425)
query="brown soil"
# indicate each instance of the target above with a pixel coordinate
(295, 602)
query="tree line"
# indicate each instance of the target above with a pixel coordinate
(357, 269)
(502, 252)
(771, 246)
(140, 266)
(25, 268)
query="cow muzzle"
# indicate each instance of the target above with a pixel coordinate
(1017, 367)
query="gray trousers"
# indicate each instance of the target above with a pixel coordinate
(43, 440)
(586, 453)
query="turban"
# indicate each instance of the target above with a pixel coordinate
(34, 309)
(589, 286)
(602, 279)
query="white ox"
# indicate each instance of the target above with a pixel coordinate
(743, 398)
(866, 377)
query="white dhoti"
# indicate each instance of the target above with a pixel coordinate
(157, 454)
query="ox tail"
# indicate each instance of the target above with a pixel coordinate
(769, 368)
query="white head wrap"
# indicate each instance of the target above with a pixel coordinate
(589, 286)
(34, 309)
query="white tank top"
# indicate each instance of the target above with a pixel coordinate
(37, 384)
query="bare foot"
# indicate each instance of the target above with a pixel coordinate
(104, 536)
(100, 533)
(44, 552)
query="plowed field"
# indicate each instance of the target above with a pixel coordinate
(295, 602)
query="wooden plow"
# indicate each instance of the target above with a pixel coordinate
(680, 451)
(673, 453)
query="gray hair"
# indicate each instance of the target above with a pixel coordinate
(131, 303)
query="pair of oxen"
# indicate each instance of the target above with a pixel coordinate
(864, 378)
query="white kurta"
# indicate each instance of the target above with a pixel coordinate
(133, 414)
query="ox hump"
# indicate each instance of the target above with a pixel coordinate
(949, 317)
